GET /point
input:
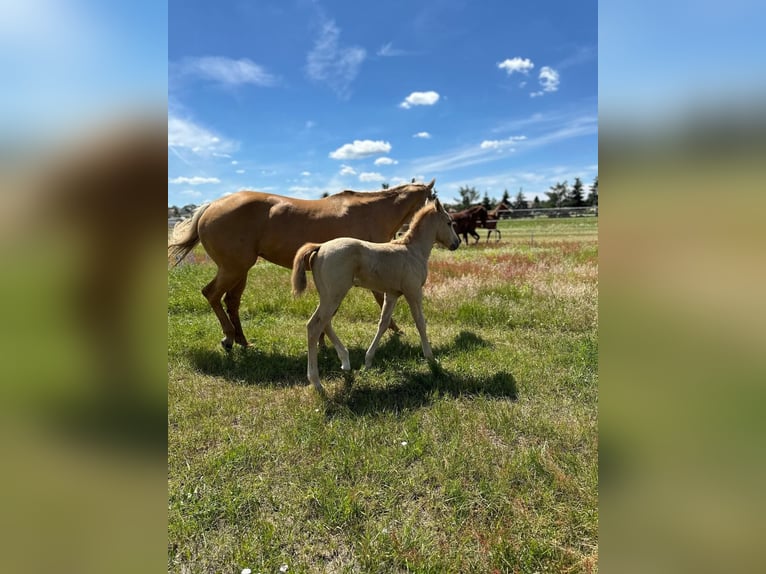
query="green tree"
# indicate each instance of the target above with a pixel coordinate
(385, 185)
(557, 195)
(486, 202)
(468, 195)
(575, 197)
(506, 199)
(592, 198)
(536, 203)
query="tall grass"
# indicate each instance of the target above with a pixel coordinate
(484, 462)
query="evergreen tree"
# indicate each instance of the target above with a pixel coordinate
(592, 199)
(506, 198)
(486, 202)
(575, 196)
(519, 202)
(536, 203)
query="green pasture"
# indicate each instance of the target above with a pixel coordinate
(483, 462)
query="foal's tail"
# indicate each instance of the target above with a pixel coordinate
(302, 261)
(184, 236)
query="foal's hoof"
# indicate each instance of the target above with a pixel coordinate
(226, 344)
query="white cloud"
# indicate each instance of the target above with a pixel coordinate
(420, 99)
(522, 65)
(332, 63)
(185, 134)
(498, 144)
(361, 148)
(422, 135)
(191, 193)
(370, 176)
(234, 162)
(196, 180)
(347, 170)
(536, 94)
(240, 171)
(549, 79)
(385, 161)
(228, 71)
(305, 173)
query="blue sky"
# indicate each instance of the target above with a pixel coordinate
(301, 97)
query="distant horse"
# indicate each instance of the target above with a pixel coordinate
(465, 221)
(397, 268)
(492, 218)
(238, 229)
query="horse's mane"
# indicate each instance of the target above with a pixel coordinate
(369, 196)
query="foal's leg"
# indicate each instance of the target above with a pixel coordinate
(389, 302)
(379, 298)
(320, 322)
(415, 301)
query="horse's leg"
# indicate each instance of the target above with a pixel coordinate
(389, 302)
(380, 299)
(475, 236)
(213, 292)
(232, 299)
(415, 301)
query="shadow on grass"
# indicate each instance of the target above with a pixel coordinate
(417, 390)
(251, 366)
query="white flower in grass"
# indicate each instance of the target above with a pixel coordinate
(404, 443)
(246, 571)
(283, 568)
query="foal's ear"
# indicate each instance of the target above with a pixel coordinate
(431, 185)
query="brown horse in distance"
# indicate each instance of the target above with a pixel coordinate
(493, 216)
(465, 221)
(238, 229)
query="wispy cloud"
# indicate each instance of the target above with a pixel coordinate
(360, 148)
(385, 161)
(332, 63)
(422, 135)
(511, 65)
(347, 170)
(500, 144)
(227, 71)
(387, 51)
(483, 153)
(196, 180)
(420, 99)
(187, 135)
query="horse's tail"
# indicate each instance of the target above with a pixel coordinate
(184, 236)
(302, 261)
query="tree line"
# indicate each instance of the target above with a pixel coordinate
(559, 195)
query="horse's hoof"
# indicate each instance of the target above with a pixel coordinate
(227, 345)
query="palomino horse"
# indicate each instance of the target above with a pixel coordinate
(238, 229)
(492, 218)
(466, 221)
(397, 268)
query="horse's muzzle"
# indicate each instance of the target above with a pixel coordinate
(455, 245)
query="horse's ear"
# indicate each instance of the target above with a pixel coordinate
(431, 185)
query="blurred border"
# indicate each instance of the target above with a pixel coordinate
(83, 174)
(682, 274)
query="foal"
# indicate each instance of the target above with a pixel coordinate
(396, 268)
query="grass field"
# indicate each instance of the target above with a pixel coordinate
(485, 462)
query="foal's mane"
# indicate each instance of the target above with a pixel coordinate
(428, 208)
